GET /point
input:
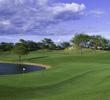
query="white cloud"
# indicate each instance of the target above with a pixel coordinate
(5, 22)
(57, 41)
(35, 16)
(6, 37)
(42, 2)
(98, 13)
(105, 34)
(68, 7)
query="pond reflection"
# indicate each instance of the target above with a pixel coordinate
(6, 68)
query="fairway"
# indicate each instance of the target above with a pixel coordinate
(71, 76)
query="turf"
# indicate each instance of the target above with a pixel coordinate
(71, 77)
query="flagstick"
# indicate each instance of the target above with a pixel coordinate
(23, 71)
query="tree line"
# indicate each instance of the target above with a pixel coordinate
(94, 41)
(32, 46)
(79, 40)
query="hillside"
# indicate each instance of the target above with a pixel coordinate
(71, 77)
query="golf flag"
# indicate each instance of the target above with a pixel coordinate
(24, 69)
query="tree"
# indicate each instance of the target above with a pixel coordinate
(104, 43)
(20, 50)
(24, 42)
(9, 46)
(59, 47)
(53, 46)
(6, 46)
(95, 41)
(42, 45)
(65, 44)
(3, 46)
(80, 40)
(47, 43)
(32, 45)
(86, 40)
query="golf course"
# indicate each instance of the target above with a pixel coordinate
(71, 76)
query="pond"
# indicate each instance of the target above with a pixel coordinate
(7, 68)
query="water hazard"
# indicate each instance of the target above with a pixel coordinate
(7, 68)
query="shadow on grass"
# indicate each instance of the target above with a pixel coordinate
(36, 58)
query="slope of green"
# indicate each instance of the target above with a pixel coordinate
(71, 77)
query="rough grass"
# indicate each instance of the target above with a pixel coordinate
(71, 77)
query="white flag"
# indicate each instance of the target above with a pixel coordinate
(24, 69)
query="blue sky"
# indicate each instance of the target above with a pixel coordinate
(55, 19)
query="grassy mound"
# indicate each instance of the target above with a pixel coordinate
(71, 77)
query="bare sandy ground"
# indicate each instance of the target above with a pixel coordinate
(25, 63)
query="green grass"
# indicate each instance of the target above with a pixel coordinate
(71, 77)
